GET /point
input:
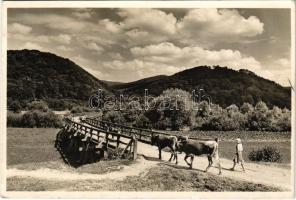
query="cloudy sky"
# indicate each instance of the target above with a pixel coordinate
(130, 44)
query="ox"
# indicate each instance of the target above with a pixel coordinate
(162, 141)
(193, 148)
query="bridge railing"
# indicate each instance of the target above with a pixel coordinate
(142, 134)
(93, 132)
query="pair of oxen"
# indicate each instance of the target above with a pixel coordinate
(190, 147)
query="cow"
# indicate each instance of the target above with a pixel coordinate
(193, 148)
(162, 141)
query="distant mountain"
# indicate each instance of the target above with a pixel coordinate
(35, 75)
(112, 83)
(32, 74)
(224, 85)
(134, 86)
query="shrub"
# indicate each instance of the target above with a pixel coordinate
(14, 119)
(267, 154)
(34, 118)
(15, 106)
(142, 122)
(113, 117)
(28, 120)
(80, 109)
(38, 105)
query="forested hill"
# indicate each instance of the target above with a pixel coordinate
(224, 85)
(32, 74)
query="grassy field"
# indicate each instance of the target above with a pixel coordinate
(159, 178)
(232, 135)
(36, 145)
(33, 148)
(27, 145)
(227, 149)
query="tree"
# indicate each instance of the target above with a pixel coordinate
(246, 108)
(38, 105)
(142, 122)
(15, 106)
(258, 119)
(175, 106)
(114, 117)
(284, 123)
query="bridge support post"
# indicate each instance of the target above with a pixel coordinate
(118, 141)
(107, 140)
(135, 147)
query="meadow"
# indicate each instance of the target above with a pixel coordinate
(33, 148)
(25, 145)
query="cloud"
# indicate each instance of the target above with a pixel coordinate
(211, 25)
(191, 56)
(52, 21)
(119, 70)
(64, 48)
(150, 20)
(143, 26)
(82, 14)
(135, 43)
(167, 58)
(62, 38)
(32, 46)
(115, 56)
(17, 28)
(95, 47)
(110, 26)
(278, 70)
(282, 63)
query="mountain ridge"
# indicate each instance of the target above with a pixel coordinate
(226, 86)
(32, 74)
(36, 75)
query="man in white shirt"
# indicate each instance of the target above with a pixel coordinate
(215, 154)
(238, 158)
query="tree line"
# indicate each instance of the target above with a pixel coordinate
(202, 115)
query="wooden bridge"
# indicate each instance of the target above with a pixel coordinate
(95, 134)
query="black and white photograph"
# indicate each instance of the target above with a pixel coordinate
(122, 97)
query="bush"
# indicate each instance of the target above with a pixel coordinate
(38, 105)
(267, 154)
(15, 106)
(80, 109)
(14, 120)
(113, 117)
(34, 118)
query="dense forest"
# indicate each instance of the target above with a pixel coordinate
(224, 85)
(34, 75)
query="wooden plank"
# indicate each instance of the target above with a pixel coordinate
(127, 146)
(118, 141)
(135, 148)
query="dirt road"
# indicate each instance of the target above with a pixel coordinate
(53, 174)
(148, 158)
(257, 173)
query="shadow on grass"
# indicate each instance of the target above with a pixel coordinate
(151, 158)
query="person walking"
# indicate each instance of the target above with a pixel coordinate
(238, 158)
